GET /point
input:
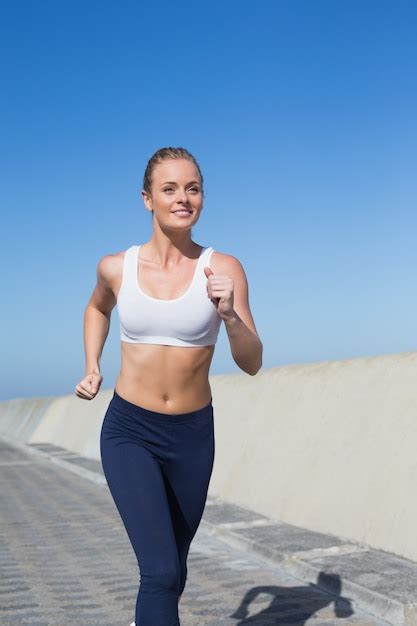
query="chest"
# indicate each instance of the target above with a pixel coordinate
(166, 283)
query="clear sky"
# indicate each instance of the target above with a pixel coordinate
(302, 116)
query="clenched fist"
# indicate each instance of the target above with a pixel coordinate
(220, 288)
(89, 386)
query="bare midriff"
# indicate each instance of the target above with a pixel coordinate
(166, 379)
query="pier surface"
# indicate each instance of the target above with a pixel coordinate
(65, 557)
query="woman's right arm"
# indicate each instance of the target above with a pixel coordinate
(97, 325)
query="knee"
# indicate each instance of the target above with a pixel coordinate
(167, 578)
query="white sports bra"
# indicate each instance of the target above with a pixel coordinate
(190, 320)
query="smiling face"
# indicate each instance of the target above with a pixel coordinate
(176, 187)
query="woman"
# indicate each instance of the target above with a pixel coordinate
(157, 437)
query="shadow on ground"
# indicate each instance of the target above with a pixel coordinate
(294, 605)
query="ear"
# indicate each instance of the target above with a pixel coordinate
(146, 201)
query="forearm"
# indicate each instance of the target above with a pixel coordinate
(96, 329)
(246, 347)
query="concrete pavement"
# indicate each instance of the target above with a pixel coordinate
(66, 559)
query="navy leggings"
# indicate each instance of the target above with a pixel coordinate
(158, 468)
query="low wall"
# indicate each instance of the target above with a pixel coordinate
(329, 446)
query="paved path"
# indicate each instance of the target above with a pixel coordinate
(65, 559)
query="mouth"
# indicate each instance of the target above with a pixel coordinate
(182, 212)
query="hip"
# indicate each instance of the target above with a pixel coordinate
(163, 434)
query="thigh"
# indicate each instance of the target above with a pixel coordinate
(136, 483)
(188, 471)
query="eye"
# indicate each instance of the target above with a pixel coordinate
(168, 188)
(195, 189)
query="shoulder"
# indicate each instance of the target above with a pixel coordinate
(110, 267)
(222, 263)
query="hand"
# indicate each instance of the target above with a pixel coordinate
(89, 386)
(220, 289)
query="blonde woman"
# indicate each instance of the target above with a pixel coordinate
(157, 438)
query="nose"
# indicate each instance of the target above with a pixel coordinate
(182, 196)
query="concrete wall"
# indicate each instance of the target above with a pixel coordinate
(329, 446)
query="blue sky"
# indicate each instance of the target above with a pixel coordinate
(302, 116)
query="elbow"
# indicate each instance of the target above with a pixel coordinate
(252, 369)
(258, 365)
(255, 371)
(255, 363)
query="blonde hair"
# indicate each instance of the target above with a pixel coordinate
(163, 154)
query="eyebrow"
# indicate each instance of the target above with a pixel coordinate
(171, 182)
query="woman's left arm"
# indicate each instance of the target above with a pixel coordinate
(228, 289)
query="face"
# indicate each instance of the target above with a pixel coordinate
(176, 187)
